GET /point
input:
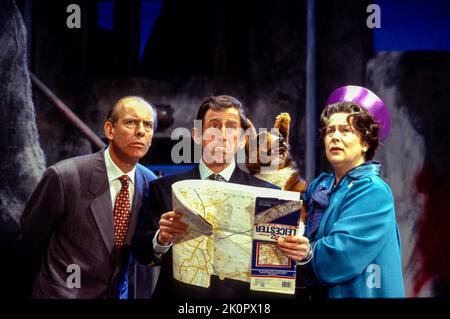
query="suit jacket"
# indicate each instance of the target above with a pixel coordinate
(142, 246)
(68, 221)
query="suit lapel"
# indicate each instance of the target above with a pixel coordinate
(101, 206)
(193, 173)
(237, 177)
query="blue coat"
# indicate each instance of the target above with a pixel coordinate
(357, 248)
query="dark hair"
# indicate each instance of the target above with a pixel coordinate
(113, 114)
(220, 103)
(363, 122)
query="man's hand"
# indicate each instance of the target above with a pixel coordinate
(169, 226)
(295, 247)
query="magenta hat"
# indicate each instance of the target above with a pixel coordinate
(366, 99)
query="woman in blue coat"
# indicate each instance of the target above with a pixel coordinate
(352, 245)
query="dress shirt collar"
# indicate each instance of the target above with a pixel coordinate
(205, 171)
(113, 171)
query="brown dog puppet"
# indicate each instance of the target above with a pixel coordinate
(268, 157)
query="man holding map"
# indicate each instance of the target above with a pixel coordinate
(220, 138)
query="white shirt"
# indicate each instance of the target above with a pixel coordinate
(205, 171)
(114, 173)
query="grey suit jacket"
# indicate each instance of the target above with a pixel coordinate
(68, 228)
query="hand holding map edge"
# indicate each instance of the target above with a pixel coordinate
(170, 226)
(295, 247)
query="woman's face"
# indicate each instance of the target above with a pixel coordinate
(343, 144)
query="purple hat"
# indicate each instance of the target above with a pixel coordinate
(366, 99)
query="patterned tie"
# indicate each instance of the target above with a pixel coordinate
(217, 177)
(318, 203)
(122, 209)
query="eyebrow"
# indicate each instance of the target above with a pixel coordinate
(218, 119)
(333, 125)
(135, 117)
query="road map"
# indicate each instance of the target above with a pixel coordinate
(220, 218)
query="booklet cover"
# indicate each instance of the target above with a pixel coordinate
(271, 269)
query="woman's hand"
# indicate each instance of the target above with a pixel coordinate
(295, 247)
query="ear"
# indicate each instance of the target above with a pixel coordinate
(250, 124)
(196, 136)
(108, 128)
(282, 123)
(365, 147)
(243, 139)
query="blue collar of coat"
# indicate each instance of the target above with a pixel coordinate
(365, 169)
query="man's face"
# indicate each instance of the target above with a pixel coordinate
(131, 136)
(221, 135)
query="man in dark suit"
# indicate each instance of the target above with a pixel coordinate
(220, 137)
(78, 223)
